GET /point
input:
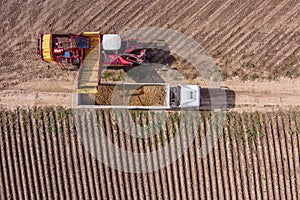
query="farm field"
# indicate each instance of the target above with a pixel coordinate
(247, 39)
(256, 156)
(255, 45)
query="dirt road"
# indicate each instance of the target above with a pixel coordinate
(249, 96)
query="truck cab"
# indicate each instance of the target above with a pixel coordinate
(185, 96)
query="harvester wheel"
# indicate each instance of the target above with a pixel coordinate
(146, 61)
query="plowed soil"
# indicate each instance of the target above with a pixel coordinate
(256, 156)
(249, 40)
(42, 156)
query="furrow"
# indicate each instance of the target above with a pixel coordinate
(169, 173)
(273, 31)
(105, 192)
(194, 172)
(279, 13)
(242, 140)
(237, 157)
(33, 154)
(157, 143)
(217, 14)
(77, 160)
(12, 159)
(237, 27)
(152, 147)
(109, 172)
(278, 155)
(62, 153)
(258, 168)
(39, 162)
(272, 156)
(217, 127)
(205, 158)
(136, 139)
(89, 153)
(218, 33)
(69, 136)
(133, 161)
(248, 148)
(284, 127)
(141, 148)
(296, 152)
(228, 140)
(267, 180)
(245, 24)
(285, 49)
(174, 22)
(26, 152)
(19, 162)
(128, 129)
(3, 172)
(5, 160)
(184, 156)
(118, 140)
(56, 158)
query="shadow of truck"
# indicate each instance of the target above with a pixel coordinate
(217, 98)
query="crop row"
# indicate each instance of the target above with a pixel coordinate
(59, 154)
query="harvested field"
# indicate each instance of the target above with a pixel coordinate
(248, 39)
(256, 157)
(131, 95)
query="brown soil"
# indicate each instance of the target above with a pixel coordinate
(247, 39)
(43, 156)
(128, 95)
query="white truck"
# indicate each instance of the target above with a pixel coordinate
(142, 96)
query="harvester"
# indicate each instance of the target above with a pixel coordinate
(72, 49)
(89, 52)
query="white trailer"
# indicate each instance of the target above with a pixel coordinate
(141, 96)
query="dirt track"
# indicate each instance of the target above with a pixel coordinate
(249, 96)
